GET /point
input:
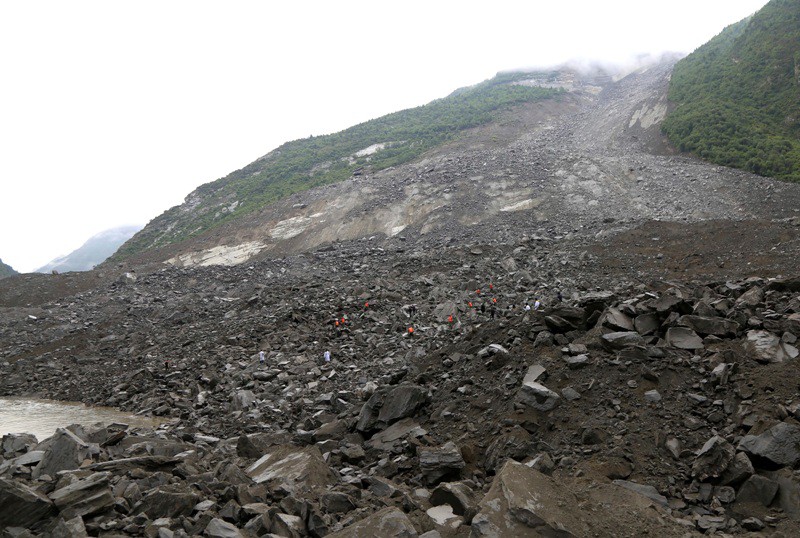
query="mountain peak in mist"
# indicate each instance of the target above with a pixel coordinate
(94, 251)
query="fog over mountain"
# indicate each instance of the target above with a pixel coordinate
(92, 252)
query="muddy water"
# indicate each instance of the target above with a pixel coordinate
(42, 417)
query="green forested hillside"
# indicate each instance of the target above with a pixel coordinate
(303, 164)
(738, 96)
(6, 270)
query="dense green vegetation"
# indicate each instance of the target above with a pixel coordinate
(6, 270)
(315, 161)
(738, 96)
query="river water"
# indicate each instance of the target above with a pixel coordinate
(42, 417)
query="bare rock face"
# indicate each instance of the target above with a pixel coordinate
(779, 445)
(66, 451)
(438, 462)
(524, 502)
(287, 469)
(22, 506)
(537, 396)
(683, 338)
(84, 497)
(710, 325)
(389, 522)
(768, 348)
(620, 340)
(713, 459)
(389, 405)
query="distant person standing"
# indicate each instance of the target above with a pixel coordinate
(327, 356)
(262, 357)
(536, 304)
(559, 297)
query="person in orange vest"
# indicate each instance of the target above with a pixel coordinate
(411, 331)
(478, 291)
(491, 287)
(450, 318)
(469, 304)
(494, 299)
(366, 305)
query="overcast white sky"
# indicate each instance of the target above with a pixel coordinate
(111, 112)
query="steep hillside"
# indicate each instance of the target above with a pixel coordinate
(6, 270)
(737, 98)
(93, 252)
(300, 165)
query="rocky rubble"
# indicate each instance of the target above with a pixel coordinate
(454, 431)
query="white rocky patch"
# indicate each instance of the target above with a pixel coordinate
(221, 255)
(286, 229)
(519, 206)
(647, 117)
(374, 148)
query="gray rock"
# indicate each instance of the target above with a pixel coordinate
(534, 373)
(757, 489)
(21, 506)
(66, 452)
(17, 443)
(752, 297)
(570, 394)
(402, 429)
(577, 362)
(390, 405)
(768, 348)
(287, 469)
(620, 340)
(218, 528)
(242, 400)
(739, 470)
(163, 502)
(683, 338)
(459, 496)
(537, 396)
(646, 324)
(72, 528)
(652, 396)
(387, 523)
(780, 444)
(713, 459)
(642, 489)
(90, 495)
(516, 444)
(524, 502)
(617, 321)
(710, 325)
(439, 462)
(492, 349)
(287, 525)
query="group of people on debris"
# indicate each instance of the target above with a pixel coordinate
(340, 322)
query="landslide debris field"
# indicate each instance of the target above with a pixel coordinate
(660, 397)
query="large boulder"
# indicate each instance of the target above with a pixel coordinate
(66, 451)
(90, 495)
(524, 502)
(621, 339)
(713, 459)
(683, 338)
(389, 405)
(387, 523)
(440, 461)
(780, 445)
(710, 325)
(617, 321)
(21, 506)
(768, 348)
(167, 501)
(537, 396)
(289, 469)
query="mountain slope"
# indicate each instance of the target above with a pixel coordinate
(296, 166)
(737, 98)
(93, 252)
(6, 270)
